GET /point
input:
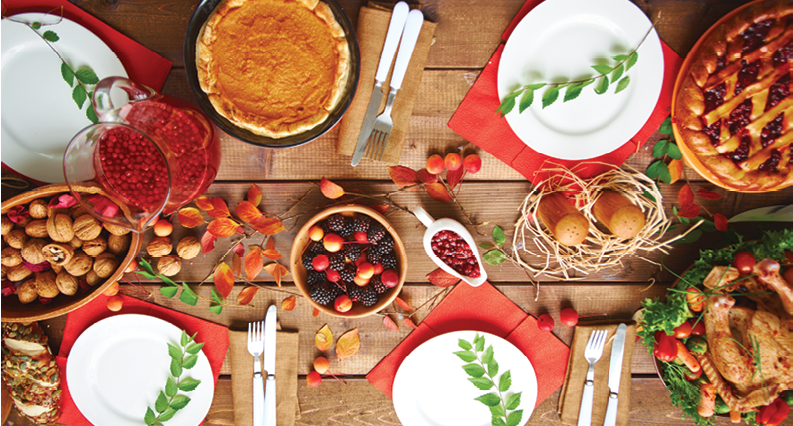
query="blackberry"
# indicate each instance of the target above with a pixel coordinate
(325, 228)
(313, 278)
(368, 296)
(308, 258)
(348, 228)
(377, 284)
(336, 261)
(324, 293)
(348, 272)
(373, 257)
(335, 222)
(385, 245)
(354, 292)
(362, 223)
(315, 247)
(389, 261)
(352, 251)
(375, 233)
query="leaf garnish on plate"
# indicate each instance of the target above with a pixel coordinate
(169, 401)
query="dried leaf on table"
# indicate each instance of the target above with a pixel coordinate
(389, 324)
(277, 271)
(247, 211)
(708, 195)
(270, 252)
(441, 278)
(222, 227)
(224, 279)
(190, 217)
(246, 295)
(203, 203)
(720, 221)
(685, 197)
(239, 249)
(254, 263)
(455, 177)
(403, 176)
(254, 195)
(409, 323)
(289, 303)
(380, 208)
(330, 189)
(324, 338)
(675, 170)
(268, 225)
(427, 177)
(402, 304)
(220, 208)
(315, 313)
(348, 344)
(689, 212)
(236, 265)
(208, 242)
(438, 192)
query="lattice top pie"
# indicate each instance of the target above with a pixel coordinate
(274, 67)
(733, 109)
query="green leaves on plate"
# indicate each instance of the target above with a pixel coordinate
(183, 357)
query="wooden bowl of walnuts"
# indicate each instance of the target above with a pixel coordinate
(348, 261)
(56, 259)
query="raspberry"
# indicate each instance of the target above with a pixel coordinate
(368, 296)
(354, 292)
(348, 272)
(389, 261)
(313, 278)
(335, 222)
(315, 247)
(324, 293)
(375, 233)
(362, 223)
(377, 285)
(348, 228)
(352, 251)
(336, 261)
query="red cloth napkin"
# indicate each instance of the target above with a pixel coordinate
(484, 309)
(476, 120)
(215, 336)
(142, 65)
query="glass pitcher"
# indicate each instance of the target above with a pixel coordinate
(152, 155)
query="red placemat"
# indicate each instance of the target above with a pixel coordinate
(215, 337)
(142, 65)
(477, 121)
(484, 309)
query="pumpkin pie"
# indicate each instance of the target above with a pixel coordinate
(274, 67)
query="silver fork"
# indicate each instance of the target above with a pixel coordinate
(592, 353)
(383, 123)
(256, 347)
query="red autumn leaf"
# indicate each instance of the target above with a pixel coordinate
(190, 217)
(222, 227)
(454, 177)
(389, 324)
(203, 203)
(409, 323)
(224, 279)
(403, 176)
(402, 304)
(315, 313)
(253, 262)
(675, 170)
(721, 222)
(685, 197)
(268, 225)
(380, 208)
(289, 303)
(441, 278)
(330, 189)
(708, 195)
(690, 211)
(208, 242)
(438, 192)
(236, 264)
(426, 177)
(220, 209)
(254, 195)
(246, 295)
(277, 271)
(239, 249)
(270, 252)
(247, 211)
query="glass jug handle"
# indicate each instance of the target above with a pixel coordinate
(103, 104)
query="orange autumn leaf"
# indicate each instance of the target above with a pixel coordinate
(190, 217)
(454, 177)
(380, 208)
(315, 313)
(254, 195)
(438, 192)
(208, 242)
(246, 295)
(268, 225)
(247, 211)
(403, 176)
(685, 197)
(348, 344)
(253, 262)
(409, 323)
(324, 338)
(389, 324)
(219, 208)
(441, 278)
(330, 189)
(224, 279)
(204, 204)
(277, 271)
(236, 265)
(270, 252)
(289, 303)
(427, 177)
(720, 221)
(675, 170)
(402, 304)
(222, 227)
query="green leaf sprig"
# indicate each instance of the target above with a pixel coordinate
(169, 290)
(666, 147)
(84, 77)
(495, 254)
(617, 72)
(482, 368)
(169, 401)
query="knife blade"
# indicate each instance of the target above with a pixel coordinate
(395, 27)
(615, 374)
(269, 366)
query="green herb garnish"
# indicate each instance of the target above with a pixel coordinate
(170, 400)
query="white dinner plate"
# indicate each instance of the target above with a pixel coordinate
(119, 365)
(39, 116)
(432, 389)
(558, 41)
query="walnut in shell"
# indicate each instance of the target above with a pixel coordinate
(18, 273)
(86, 227)
(76, 242)
(80, 264)
(31, 251)
(56, 268)
(92, 278)
(7, 225)
(115, 229)
(105, 264)
(45, 284)
(118, 244)
(95, 247)
(36, 228)
(59, 228)
(188, 248)
(169, 265)
(66, 283)
(52, 212)
(77, 211)
(11, 257)
(38, 209)
(27, 291)
(58, 253)
(159, 247)
(16, 238)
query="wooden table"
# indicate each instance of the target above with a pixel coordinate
(467, 34)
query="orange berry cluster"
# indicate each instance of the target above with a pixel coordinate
(453, 161)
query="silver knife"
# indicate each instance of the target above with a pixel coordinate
(615, 374)
(395, 28)
(269, 366)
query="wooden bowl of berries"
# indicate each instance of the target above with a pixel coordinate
(57, 256)
(348, 261)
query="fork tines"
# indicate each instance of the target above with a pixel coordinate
(375, 147)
